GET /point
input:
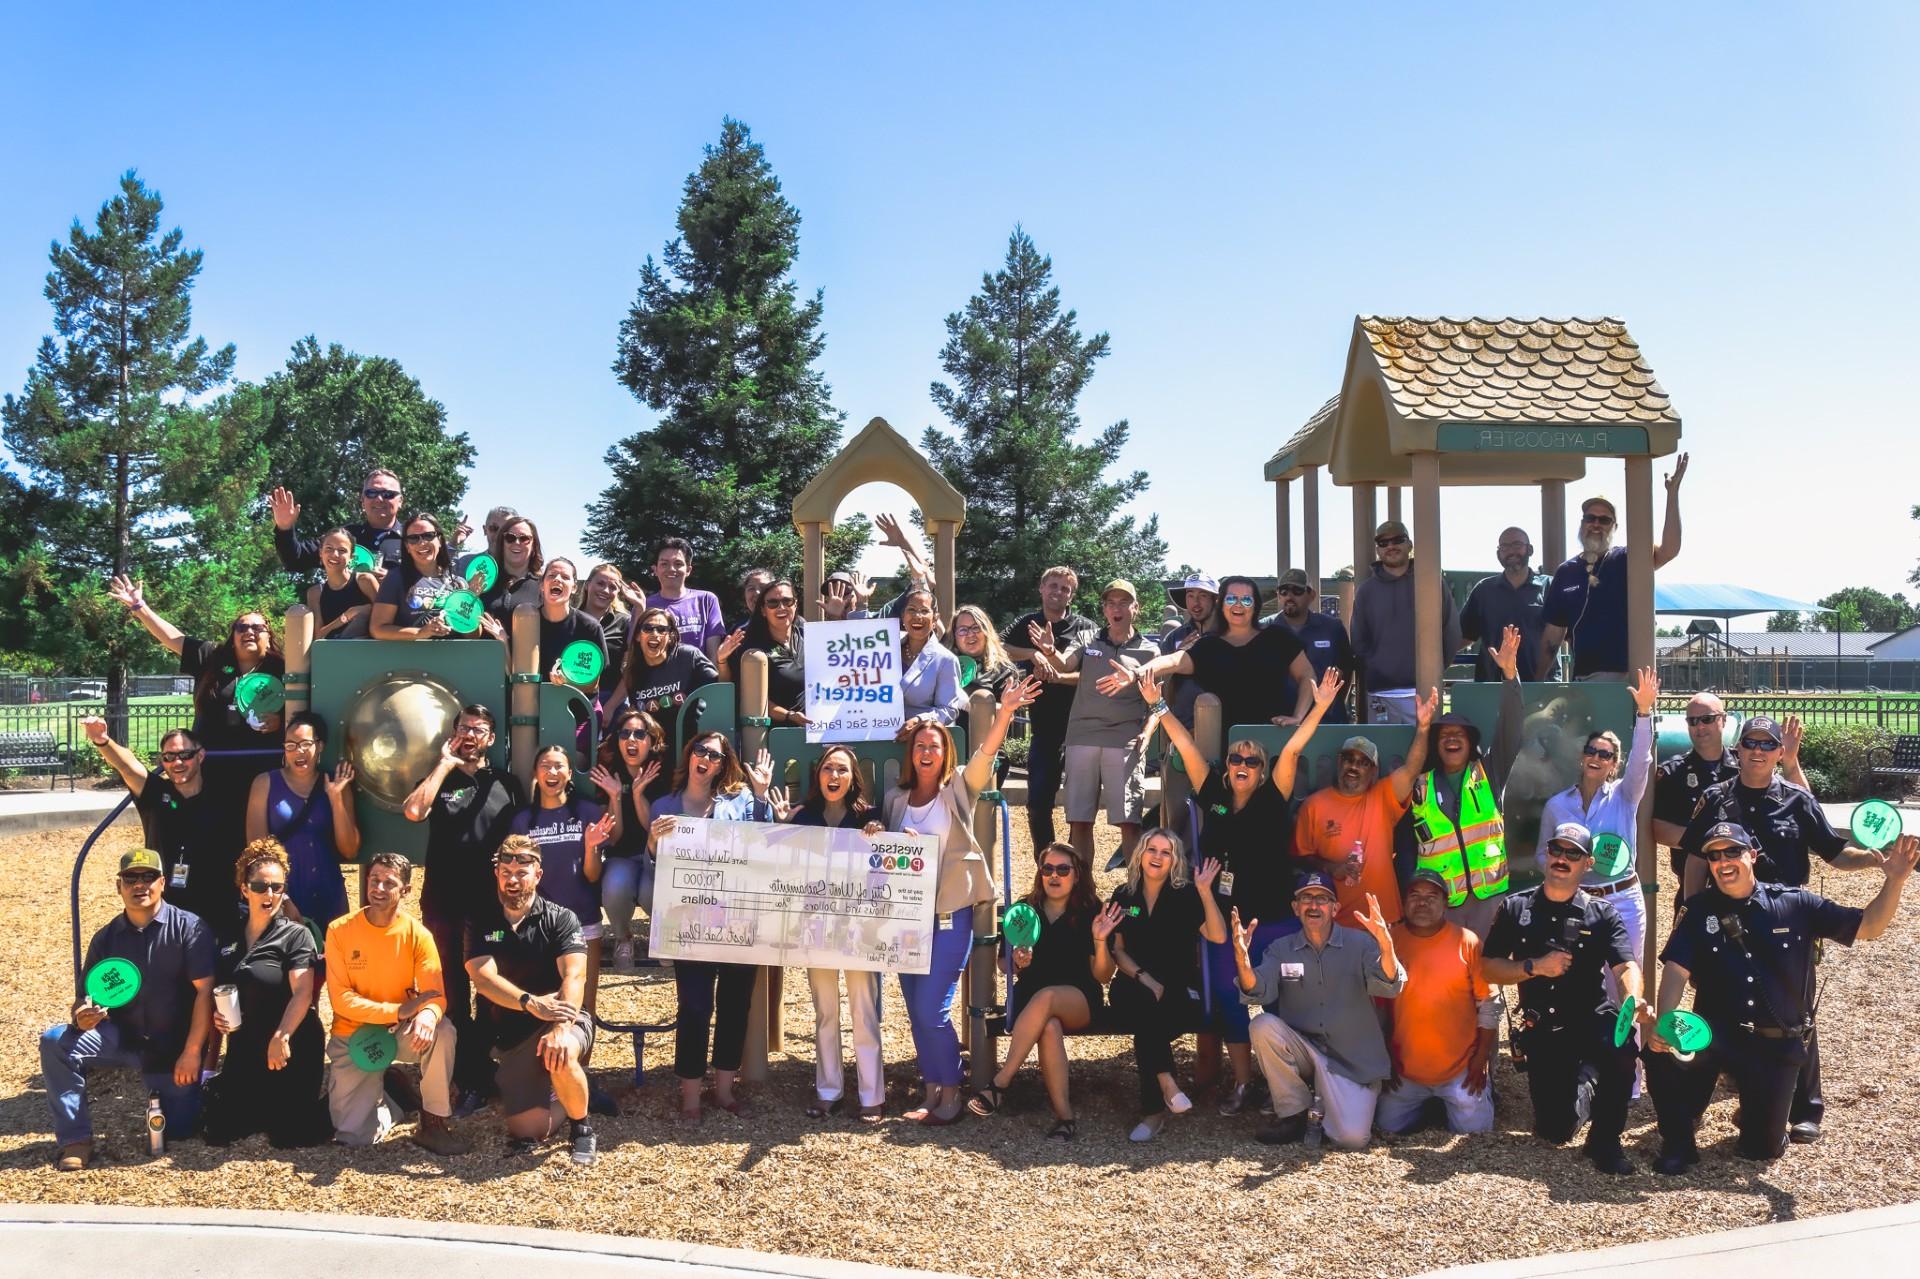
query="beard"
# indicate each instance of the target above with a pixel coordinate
(516, 898)
(1596, 544)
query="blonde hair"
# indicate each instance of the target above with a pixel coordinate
(1176, 877)
(518, 844)
(619, 604)
(994, 653)
(1619, 755)
(267, 849)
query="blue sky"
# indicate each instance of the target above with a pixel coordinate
(471, 190)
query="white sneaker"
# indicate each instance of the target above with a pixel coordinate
(1149, 1128)
(1179, 1103)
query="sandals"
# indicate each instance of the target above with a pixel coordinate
(873, 1114)
(821, 1107)
(987, 1100)
(1063, 1130)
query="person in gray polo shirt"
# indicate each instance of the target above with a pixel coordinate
(1106, 736)
(1321, 1034)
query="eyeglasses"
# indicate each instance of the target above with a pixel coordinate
(1391, 541)
(1759, 744)
(964, 629)
(178, 757)
(301, 746)
(1315, 899)
(1293, 590)
(1246, 761)
(1355, 757)
(265, 886)
(1701, 721)
(654, 628)
(1596, 752)
(1055, 870)
(249, 628)
(707, 752)
(634, 734)
(1729, 853)
(516, 859)
(381, 495)
(516, 539)
(783, 603)
(133, 878)
(1244, 601)
(420, 539)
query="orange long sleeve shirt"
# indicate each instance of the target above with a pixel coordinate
(370, 970)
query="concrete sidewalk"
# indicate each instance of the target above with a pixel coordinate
(1867, 1243)
(160, 1243)
(22, 810)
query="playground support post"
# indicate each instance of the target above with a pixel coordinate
(1310, 520)
(1553, 523)
(298, 653)
(977, 988)
(766, 1027)
(1640, 652)
(523, 697)
(1428, 614)
(1282, 525)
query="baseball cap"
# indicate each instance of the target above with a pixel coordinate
(841, 575)
(1295, 577)
(1392, 528)
(1726, 833)
(1364, 745)
(1426, 876)
(1574, 835)
(1121, 584)
(1314, 879)
(1763, 724)
(141, 859)
(1600, 499)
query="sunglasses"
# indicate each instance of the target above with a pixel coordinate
(515, 859)
(654, 628)
(382, 495)
(1244, 601)
(1759, 744)
(1596, 752)
(421, 539)
(249, 628)
(264, 886)
(1246, 761)
(1390, 541)
(1293, 590)
(1355, 757)
(634, 734)
(1730, 853)
(178, 757)
(1054, 870)
(137, 877)
(707, 752)
(787, 602)
(516, 539)
(1701, 721)
(1604, 521)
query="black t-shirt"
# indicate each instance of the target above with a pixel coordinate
(1249, 679)
(205, 835)
(786, 671)
(633, 831)
(1163, 942)
(527, 954)
(991, 678)
(811, 814)
(262, 975)
(1528, 925)
(1678, 785)
(1254, 847)
(217, 721)
(466, 823)
(1050, 710)
(1784, 821)
(661, 690)
(505, 596)
(613, 635)
(1763, 975)
(1062, 956)
(173, 951)
(574, 627)
(416, 597)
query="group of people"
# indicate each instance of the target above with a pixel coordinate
(1349, 990)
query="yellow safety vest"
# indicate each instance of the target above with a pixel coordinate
(1472, 857)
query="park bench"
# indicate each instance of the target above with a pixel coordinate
(1900, 761)
(35, 750)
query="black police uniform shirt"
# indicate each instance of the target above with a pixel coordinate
(1678, 786)
(1253, 846)
(1784, 821)
(465, 824)
(1529, 924)
(526, 954)
(302, 554)
(1049, 712)
(1761, 973)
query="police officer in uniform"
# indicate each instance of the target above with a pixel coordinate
(1747, 947)
(1785, 823)
(1680, 782)
(1557, 943)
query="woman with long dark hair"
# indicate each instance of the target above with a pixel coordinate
(660, 671)
(515, 547)
(570, 829)
(776, 630)
(311, 815)
(929, 672)
(413, 596)
(342, 601)
(632, 774)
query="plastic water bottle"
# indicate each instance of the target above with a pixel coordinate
(1316, 1129)
(156, 1127)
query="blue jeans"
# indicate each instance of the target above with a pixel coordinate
(930, 1001)
(626, 882)
(68, 1055)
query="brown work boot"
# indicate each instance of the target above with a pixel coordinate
(436, 1135)
(75, 1156)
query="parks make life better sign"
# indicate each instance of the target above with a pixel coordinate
(853, 680)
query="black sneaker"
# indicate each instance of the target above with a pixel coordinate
(1610, 1160)
(1672, 1163)
(1283, 1132)
(471, 1101)
(522, 1145)
(585, 1145)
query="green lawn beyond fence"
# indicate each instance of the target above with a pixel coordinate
(148, 719)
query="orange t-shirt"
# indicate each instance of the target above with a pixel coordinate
(1435, 1019)
(1327, 827)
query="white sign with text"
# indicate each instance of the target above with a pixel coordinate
(853, 680)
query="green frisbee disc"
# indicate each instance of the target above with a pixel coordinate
(1611, 856)
(259, 692)
(1021, 926)
(113, 983)
(1623, 1024)
(581, 662)
(1876, 823)
(1687, 1032)
(462, 610)
(968, 669)
(484, 567)
(364, 560)
(373, 1048)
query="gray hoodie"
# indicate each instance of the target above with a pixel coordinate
(1383, 629)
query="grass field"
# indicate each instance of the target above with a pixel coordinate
(148, 719)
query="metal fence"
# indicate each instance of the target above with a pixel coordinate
(46, 739)
(1896, 713)
(37, 690)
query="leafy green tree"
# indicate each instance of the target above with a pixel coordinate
(110, 421)
(719, 344)
(1783, 622)
(1862, 608)
(1035, 496)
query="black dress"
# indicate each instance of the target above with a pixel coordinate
(1062, 956)
(245, 1097)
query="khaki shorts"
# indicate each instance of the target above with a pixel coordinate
(1113, 771)
(524, 1082)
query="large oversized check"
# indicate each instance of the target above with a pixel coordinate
(794, 896)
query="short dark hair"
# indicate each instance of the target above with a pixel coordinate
(679, 544)
(193, 739)
(309, 719)
(393, 861)
(477, 711)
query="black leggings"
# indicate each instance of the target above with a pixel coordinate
(696, 984)
(1155, 1024)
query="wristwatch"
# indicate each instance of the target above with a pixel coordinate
(1526, 966)
(526, 995)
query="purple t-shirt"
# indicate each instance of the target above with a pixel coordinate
(697, 612)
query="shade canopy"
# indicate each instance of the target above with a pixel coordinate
(1723, 601)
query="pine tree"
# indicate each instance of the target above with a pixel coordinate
(719, 344)
(108, 423)
(1035, 497)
